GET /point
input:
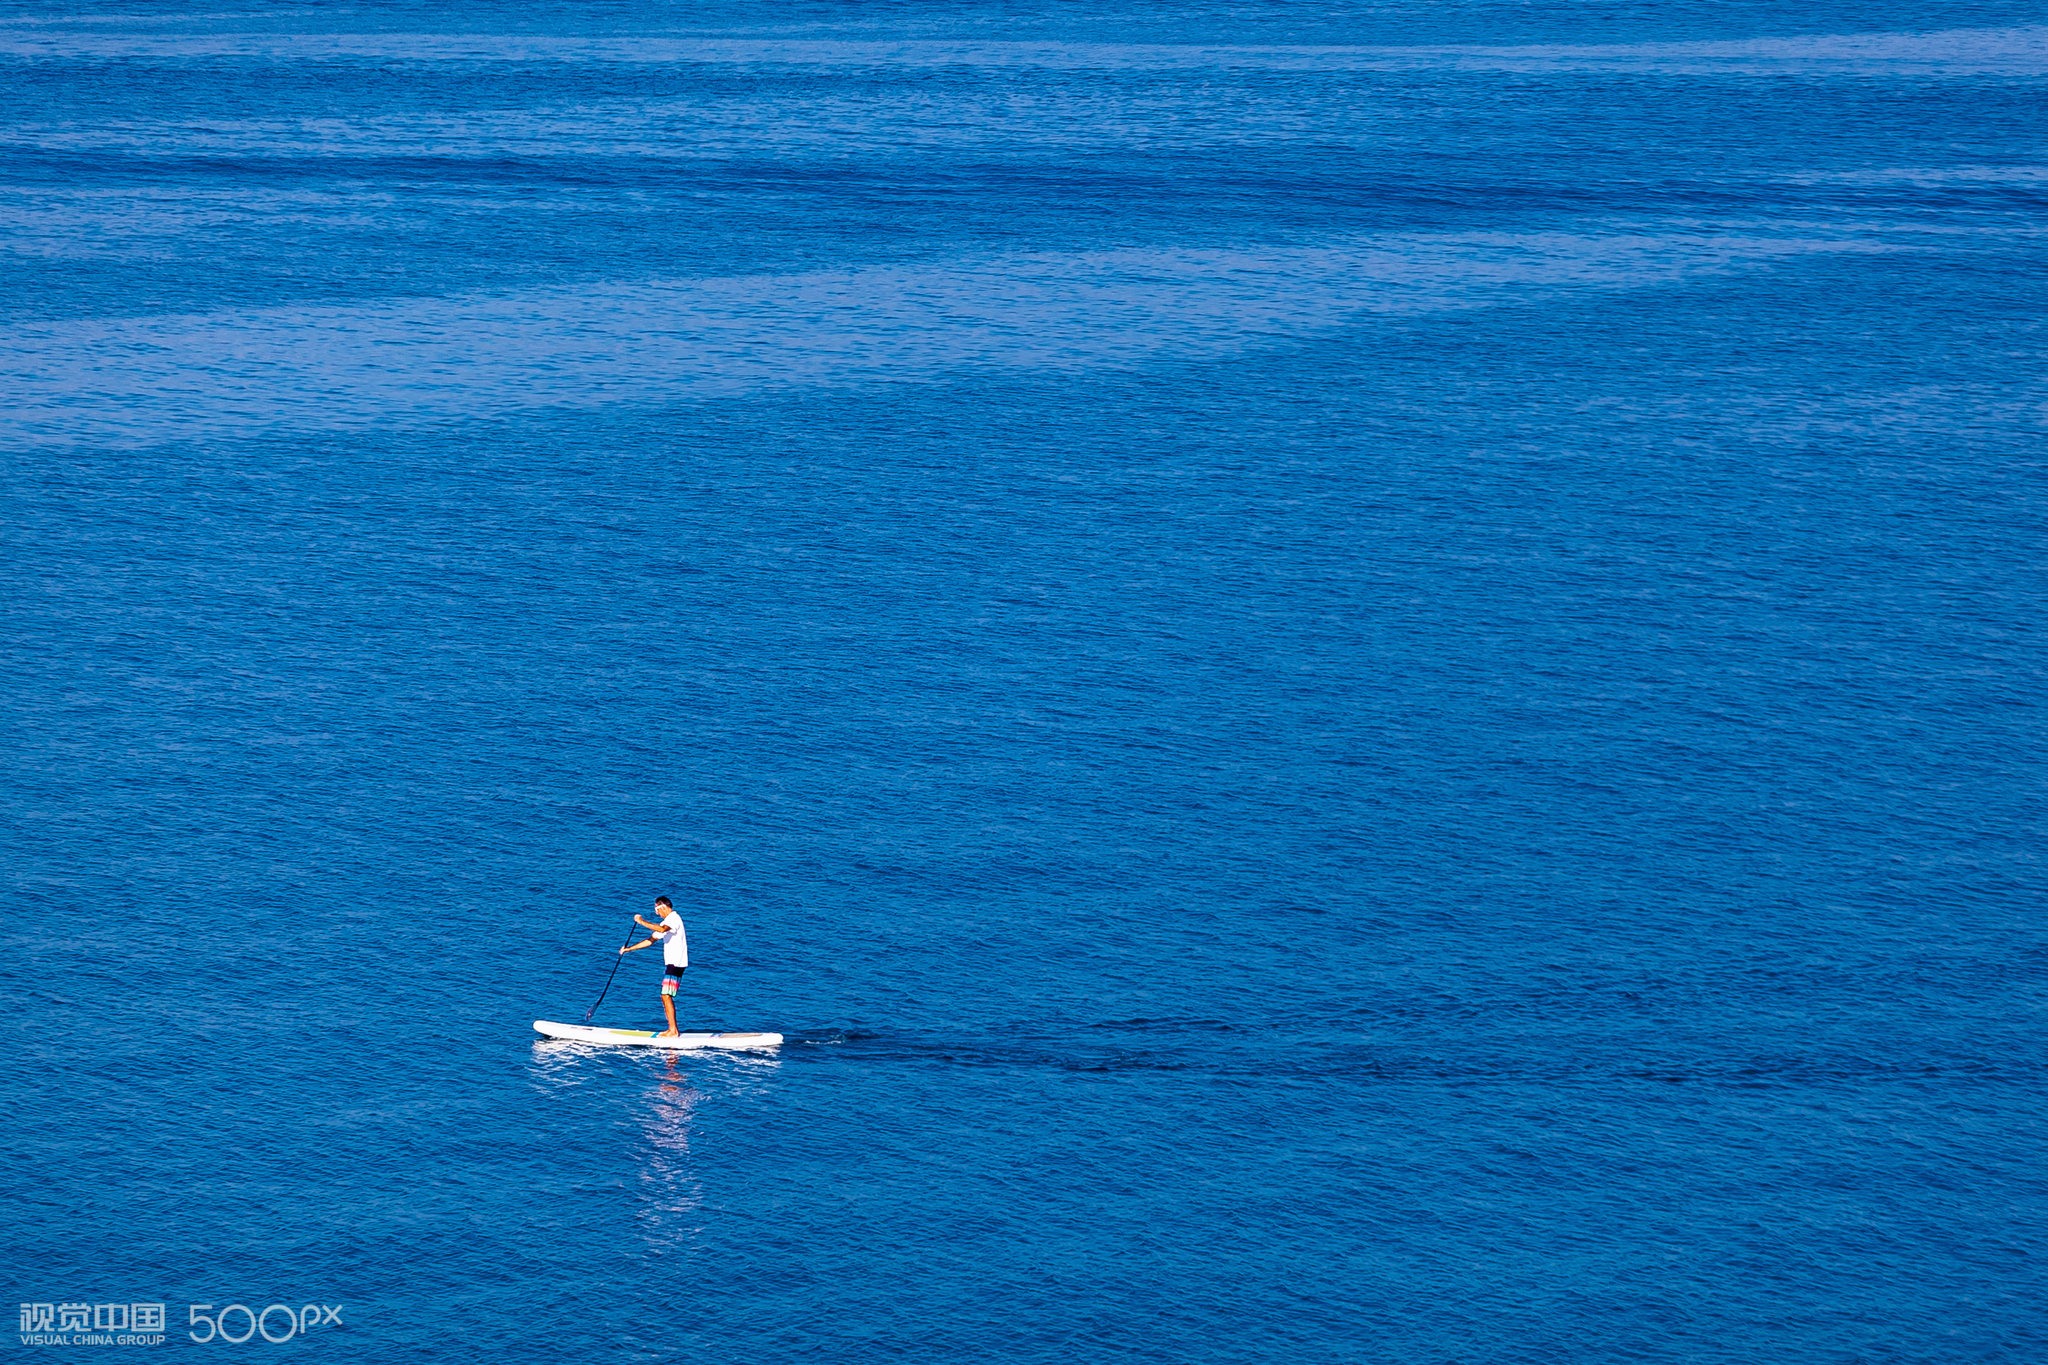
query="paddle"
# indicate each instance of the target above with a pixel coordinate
(617, 958)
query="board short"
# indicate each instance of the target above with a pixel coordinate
(671, 977)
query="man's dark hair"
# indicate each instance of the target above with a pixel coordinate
(664, 900)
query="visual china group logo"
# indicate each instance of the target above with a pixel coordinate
(92, 1324)
(143, 1324)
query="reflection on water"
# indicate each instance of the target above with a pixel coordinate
(661, 1091)
(672, 1195)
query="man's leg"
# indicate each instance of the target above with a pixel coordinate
(668, 1001)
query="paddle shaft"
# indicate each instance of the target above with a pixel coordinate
(617, 958)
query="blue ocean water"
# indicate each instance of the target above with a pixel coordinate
(1364, 681)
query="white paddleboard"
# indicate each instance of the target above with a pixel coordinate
(639, 1037)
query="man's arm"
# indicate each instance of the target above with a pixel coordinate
(636, 947)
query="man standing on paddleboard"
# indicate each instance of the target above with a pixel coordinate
(675, 954)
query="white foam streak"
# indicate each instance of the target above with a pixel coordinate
(145, 380)
(2020, 51)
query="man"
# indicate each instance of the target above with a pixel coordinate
(675, 954)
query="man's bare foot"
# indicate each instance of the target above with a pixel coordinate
(668, 1033)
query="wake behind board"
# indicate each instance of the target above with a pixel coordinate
(637, 1037)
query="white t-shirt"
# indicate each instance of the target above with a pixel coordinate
(675, 946)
